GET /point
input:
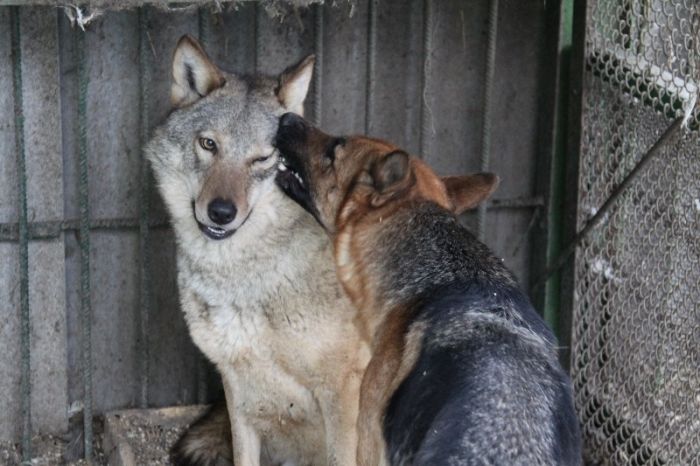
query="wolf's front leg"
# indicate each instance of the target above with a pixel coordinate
(245, 439)
(340, 410)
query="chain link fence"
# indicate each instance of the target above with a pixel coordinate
(636, 335)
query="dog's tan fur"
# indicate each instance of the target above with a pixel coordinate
(395, 347)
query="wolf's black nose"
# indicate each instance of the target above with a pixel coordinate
(221, 212)
(291, 119)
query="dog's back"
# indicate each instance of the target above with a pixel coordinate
(486, 387)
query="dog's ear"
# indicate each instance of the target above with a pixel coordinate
(294, 85)
(468, 191)
(390, 175)
(194, 74)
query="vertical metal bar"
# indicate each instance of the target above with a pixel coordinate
(486, 122)
(203, 25)
(202, 366)
(557, 183)
(427, 50)
(256, 37)
(318, 75)
(84, 233)
(371, 63)
(144, 251)
(25, 325)
(570, 194)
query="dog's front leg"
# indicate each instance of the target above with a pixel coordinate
(395, 350)
(244, 438)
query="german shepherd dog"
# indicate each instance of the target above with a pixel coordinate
(463, 370)
(255, 271)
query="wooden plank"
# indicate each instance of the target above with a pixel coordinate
(454, 88)
(515, 142)
(113, 167)
(44, 166)
(165, 29)
(344, 68)
(281, 42)
(8, 160)
(516, 97)
(45, 193)
(10, 425)
(229, 37)
(396, 87)
(174, 359)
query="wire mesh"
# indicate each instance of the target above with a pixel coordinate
(636, 336)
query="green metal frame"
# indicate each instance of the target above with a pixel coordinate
(557, 183)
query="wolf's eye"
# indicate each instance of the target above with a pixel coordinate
(261, 159)
(207, 144)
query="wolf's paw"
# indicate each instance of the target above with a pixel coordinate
(207, 442)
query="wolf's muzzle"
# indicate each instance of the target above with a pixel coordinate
(221, 212)
(214, 232)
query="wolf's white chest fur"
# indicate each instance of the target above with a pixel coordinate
(266, 308)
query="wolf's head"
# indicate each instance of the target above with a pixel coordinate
(214, 157)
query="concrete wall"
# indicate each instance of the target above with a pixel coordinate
(242, 40)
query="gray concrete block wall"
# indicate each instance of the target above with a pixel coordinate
(242, 40)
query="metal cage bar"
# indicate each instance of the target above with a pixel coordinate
(318, 72)
(371, 62)
(25, 324)
(427, 47)
(485, 160)
(84, 239)
(145, 269)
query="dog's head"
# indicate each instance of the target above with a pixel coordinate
(214, 156)
(341, 180)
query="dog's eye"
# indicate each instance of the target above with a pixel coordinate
(208, 144)
(330, 152)
(329, 156)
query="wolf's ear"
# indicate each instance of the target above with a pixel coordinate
(468, 191)
(194, 74)
(390, 175)
(294, 84)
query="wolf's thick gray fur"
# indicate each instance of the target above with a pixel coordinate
(263, 304)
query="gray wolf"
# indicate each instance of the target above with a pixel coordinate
(463, 370)
(255, 273)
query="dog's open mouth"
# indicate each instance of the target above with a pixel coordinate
(290, 178)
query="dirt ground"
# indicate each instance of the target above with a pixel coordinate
(49, 450)
(145, 435)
